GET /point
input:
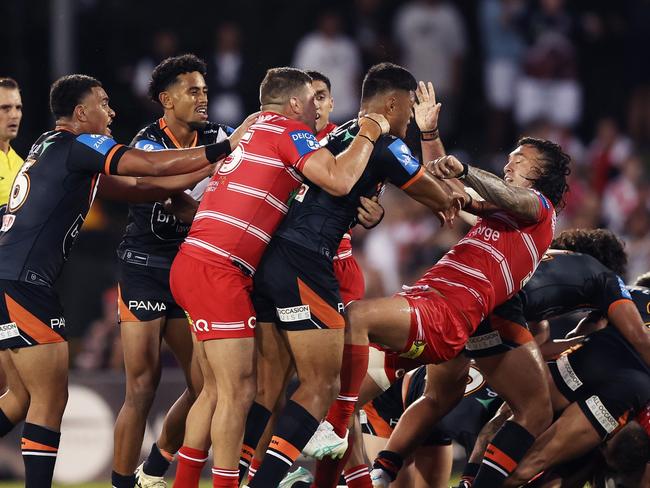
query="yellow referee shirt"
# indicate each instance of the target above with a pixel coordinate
(10, 163)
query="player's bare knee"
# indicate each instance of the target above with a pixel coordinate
(140, 391)
(356, 320)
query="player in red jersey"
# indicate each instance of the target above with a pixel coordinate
(211, 277)
(433, 319)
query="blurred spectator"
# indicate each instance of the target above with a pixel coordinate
(606, 153)
(226, 76)
(164, 44)
(332, 53)
(431, 37)
(637, 68)
(503, 44)
(370, 34)
(102, 347)
(623, 195)
(637, 239)
(550, 88)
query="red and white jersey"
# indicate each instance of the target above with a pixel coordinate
(345, 248)
(248, 197)
(492, 262)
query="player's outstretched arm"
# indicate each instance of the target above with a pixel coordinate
(626, 318)
(426, 111)
(148, 188)
(520, 202)
(442, 199)
(337, 175)
(136, 162)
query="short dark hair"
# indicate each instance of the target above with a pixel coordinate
(551, 181)
(9, 83)
(66, 93)
(643, 280)
(602, 244)
(383, 77)
(318, 76)
(281, 83)
(164, 75)
(629, 449)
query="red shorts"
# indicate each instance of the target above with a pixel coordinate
(348, 273)
(438, 331)
(215, 297)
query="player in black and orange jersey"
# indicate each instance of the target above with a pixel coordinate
(430, 465)
(296, 288)
(147, 311)
(49, 201)
(564, 281)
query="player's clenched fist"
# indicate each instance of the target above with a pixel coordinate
(447, 167)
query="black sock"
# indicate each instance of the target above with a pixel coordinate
(258, 417)
(122, 481)
(391, 462)
(40, 446)
(5, 424)
(295, 427)
(156, 464)
(469, 473)
(502, 455)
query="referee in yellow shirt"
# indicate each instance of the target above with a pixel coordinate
(11, 112)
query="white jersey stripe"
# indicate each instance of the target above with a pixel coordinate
(476, 273)
(498, 257)
(193, 241)
(256, 193)
(258, 158)
(251, 229)
(278, 129)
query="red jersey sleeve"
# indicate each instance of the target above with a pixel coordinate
(546, 209)
(297, 143)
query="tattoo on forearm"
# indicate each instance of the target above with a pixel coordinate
(518, 201)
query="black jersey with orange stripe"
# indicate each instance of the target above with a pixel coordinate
(152, 235)
(50, 198)
(566, 281)
(317, 220)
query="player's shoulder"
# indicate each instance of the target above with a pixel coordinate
(150, 137)
(639, 291)
(101, 143)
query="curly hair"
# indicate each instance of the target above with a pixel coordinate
(66, 93)
(643, 280)
(164, 75)
(551, 181)
(602, 244)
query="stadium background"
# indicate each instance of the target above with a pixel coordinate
(576, 72)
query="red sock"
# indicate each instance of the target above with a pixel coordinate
(225, 478)
(255, 465)
(190, 464)
(328, 470)
(358, 477)
(353, 370)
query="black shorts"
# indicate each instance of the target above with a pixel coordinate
(29, 315)
(296, 288)
(604, 379)
(503, 330)
(144, 294)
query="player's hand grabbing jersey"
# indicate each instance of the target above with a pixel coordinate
(153, 235)
(247, 199)
(318, 220)
(49, 201)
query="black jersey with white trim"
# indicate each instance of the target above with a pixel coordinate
(152, 235)
(49, 201)
(318, 220)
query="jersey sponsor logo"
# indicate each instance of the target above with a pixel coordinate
(600, 412)
(302, 191)
(484, 341)
(97, 142)
(146, 145)
(7, 331)
(403, 154)
(294, 314)
(71, 235)
(147, 305)
(568, 375)
(304, 141)
(624, 291)
(57, 323)
(7, 222)
(487, 233)
(165, 226)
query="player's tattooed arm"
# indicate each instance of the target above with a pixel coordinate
(518, 201)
